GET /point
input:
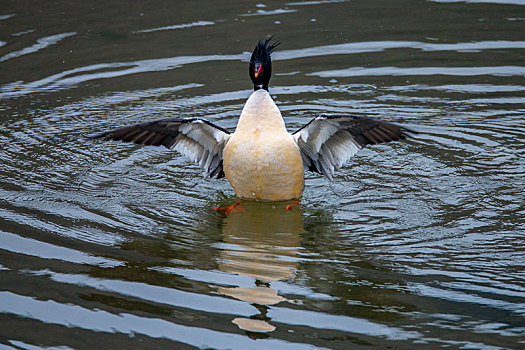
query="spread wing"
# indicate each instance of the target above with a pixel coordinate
(328, 141)
(198, 139)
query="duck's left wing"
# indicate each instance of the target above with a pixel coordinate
(197, 139)
(328, 141)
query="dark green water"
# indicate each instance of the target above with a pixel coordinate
(418, 244)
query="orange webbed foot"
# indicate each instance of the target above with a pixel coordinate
(229, 208)
(289, 206)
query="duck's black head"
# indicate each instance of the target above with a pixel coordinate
(261, 64)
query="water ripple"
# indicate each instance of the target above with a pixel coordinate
(415, 244)
(510, 2)
(177, 26)
(42, 43)
(17, 244)
(79, 75)
(421, 71)
(67, 315)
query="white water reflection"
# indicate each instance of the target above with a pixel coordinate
(42, 43)
(177, 26)
(320, 2)
(420, 71)
(73, 77)
(269, 13)
(510, 2)
(51, 312)
(2, 17)
(158, 294)
(26, 246)
(464, 88)
(379, 46)
(345, 324)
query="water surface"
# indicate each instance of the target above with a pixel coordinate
(414, 244)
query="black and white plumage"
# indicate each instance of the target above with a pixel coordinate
(197, 139)
(328, 141)
(261, 159)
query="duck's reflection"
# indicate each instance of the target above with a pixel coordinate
(261, 243)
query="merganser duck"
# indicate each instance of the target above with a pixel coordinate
(261, 160)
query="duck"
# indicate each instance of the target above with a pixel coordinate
(261, 160)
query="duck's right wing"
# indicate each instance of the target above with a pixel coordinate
(328, 141)
(198, 139)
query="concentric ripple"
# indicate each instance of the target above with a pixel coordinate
(415, 244)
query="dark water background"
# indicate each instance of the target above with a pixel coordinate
(416, 245)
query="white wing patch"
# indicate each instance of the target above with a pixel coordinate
(327, 142)
(203, 144)
(201, 141)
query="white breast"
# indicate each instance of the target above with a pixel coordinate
(261, 160)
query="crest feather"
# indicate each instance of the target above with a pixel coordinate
(264, 49)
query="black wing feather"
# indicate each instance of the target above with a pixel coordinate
(327, 141)
(196, 138)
